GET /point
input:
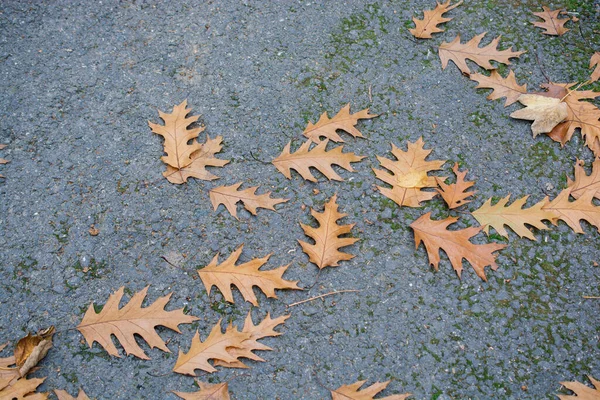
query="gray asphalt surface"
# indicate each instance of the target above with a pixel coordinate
(80, 80)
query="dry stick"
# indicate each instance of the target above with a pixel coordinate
(591, 297)
(321, 296)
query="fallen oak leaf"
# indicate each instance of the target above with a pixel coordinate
(201, 158)
(545, 112)
(325, 252)
(321, 159)
(230, 195)
(343, 120)
(456, 245)
(64, 395)
(572, 212)
(595, 61)
(213, 348)
(431, 18)
(131, 320)
(23, 389)
(502, 87)
(264, 329)
(408, 175)
(498, 215)
(353, 392)
(582, 392)
(552, 24)
(244, 276)
(482, 56)
(584, 182)
(455, 194)
(208, 391)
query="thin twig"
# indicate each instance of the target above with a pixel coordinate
(591, 297)
(370, 94)
(259, 160)
(537, 57)
(169, 262)
(321, 296)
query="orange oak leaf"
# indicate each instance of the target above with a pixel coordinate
(582, 392)
(64, 395)
(327, 127)
(431, 18)
(584, 182)
(502, 87)
(482, 56)
(456, 245)
(573, 212)
(230, 195)
(262, 330)
(129, 321)
(595, 61)
(201, 158)
(455, 194)
(325, 252)
(318, 158)
(208, 391)
(244, 276)
(177, 136)
(581, 114)
(23, 389)
(353, 392)
(513, 216)
(552, 24)
(408, 175)
(213, 348)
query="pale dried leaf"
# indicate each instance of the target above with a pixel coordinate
(208, 391)
(31, 349)
(230, 195)
(573, 212)
(513, 216)
(64, 395)
(266, 328)
(129, 321)
(502, 87)
(23, 389)
(325, 252)
(202, 158)
(327, 127)
(552, 24)
(456, 245)
(4, 161)
(2, 146)
(595, 61)
(321, 159)
(431, 18)
(455, 194)
(545, 112)
(213, 348)
(582, 392)
(353, 392)
(244, 276)
(408, 175)
(584, 182)
(482, 56)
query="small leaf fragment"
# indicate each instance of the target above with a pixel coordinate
(327, 127)
(230, 195)
(353, 392)
(64, 395)
(552, 24)
(455, 194)
(208, 391)
(545, 112)
(595, 61)
(431, 18)
(582, 392)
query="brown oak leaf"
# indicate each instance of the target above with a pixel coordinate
(321, 159)
(545, 112)
(262, 330)
(8, 373)
(595, 61)
(408, 175)
(244, 276)
(513, 216)
(64, 395)
(353, 392)
(201, 158)
(482, 56)
(571, 212)
(327, 127)
(455, 194)
(582, 392)
(552, 24)
(431, 18)
(131, 320)
(31, 349)
(230, 195)
(213, 348)
(23, 389)
(208, 391)
(325, 252)
(584, 182)
(502, 87)
(456, 245)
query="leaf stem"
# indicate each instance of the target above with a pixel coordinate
(322, 295)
